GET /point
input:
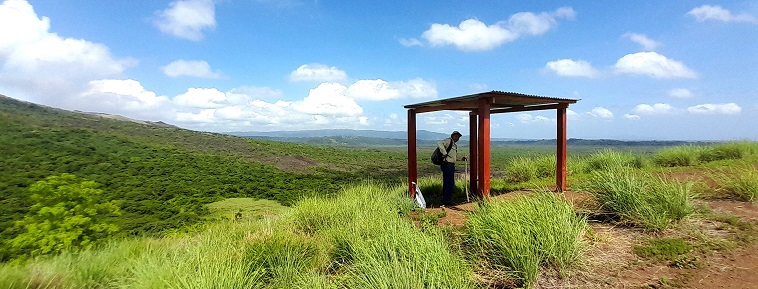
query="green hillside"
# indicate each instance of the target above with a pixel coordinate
(162, 176)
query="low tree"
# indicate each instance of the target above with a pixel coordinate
(67, 214)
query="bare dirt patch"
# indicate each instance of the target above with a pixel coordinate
(610, 262)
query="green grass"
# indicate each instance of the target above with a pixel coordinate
(360, 238)
(639, 198)
(728, 151)
(662, 249)
(525, 234)
(739, 182)
(607, 159)
(678, 156)
(243, 208)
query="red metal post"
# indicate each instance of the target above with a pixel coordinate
(561, 146)
(412, 163)
(472, 152)
(484, 147)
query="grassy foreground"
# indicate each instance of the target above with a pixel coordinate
(362, 237)
(357, 239)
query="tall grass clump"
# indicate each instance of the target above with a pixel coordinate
(739, 183)
(375, 246)
(523, 169)
(520, 169)
(524, 234)
(678, 156)
(727, 151)
(612, 159)
(641, 199)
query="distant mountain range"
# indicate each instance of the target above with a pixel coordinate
(421, 134)
(357, 138)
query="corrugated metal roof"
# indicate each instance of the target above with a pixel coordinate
(500, 100)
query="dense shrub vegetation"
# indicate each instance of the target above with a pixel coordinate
(67, 214)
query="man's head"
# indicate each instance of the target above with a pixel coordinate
(455, 136)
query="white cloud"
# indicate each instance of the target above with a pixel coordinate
(36, 64)
(326, 105)
(196, 68)
(601, 112)
(718, 13)
(572, 68)
(528, 118)
(719, 108)
(123, 97)
(642, 39)
(631, 116)
(474, 35)
(257, 91)
(187, 18)
(317, 72)
(328, 99)
(201, 98)
(410, 42)
(680, 93)
(654, 65)
(572, 115)
(447, 120)
(372, 89)
(658, 108)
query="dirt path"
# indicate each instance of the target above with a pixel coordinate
(736, 269)
(610, 262)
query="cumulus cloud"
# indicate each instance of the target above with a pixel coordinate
(201, 98)
(210, 109)
(654, 65)
(36, 64)
(643, 40)
(195, 68)
(257, 91)
(123, 97)
(328, 99)
(317, 72)
(680, 93)
(631, 116)
(410, 42)
(572, 68)
(658, 108)
(447, 120)
(718, 13)
(378, 89)
(187, 19)
(601, 112)
(475, 35)
(528, 118)
(718, 108)
(572, 115)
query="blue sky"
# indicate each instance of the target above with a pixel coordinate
(644, 70)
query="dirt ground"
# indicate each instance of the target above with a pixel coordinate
(609, 261)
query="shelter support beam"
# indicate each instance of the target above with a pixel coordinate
(561, 146)
(472, 153)
(483, 147)
(412, 163)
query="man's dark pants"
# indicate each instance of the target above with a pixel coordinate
(448, 182)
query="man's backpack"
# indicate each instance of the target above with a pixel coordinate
(437, 157)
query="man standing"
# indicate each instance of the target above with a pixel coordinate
(448, 166)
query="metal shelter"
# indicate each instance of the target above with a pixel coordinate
(480, 107)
